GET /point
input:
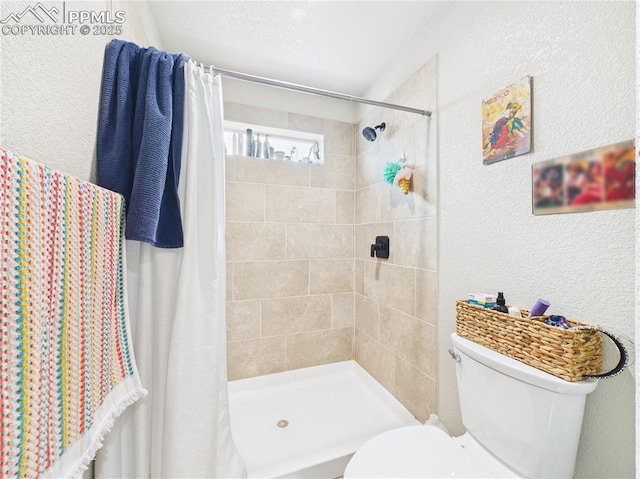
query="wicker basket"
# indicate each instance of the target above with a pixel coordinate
(568, 354)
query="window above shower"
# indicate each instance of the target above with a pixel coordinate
(268, 143)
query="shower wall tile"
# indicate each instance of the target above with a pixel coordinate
(319, 347)
(338, 135)
(369, 204)
(343, 315)
(399, 206)
(229, 280)
(291, 271)
(270, 279)
(325, 300)
(319, 241)
(255, 241)
(370, 163)
(299, 205)
(366, 236)
(255, 115)
(337, 172)
(295, 315)
(374, 117)
(376, 359)
(398, 146)
(426, 295)
(366, 316)
(415, 243)
(423, 133)
(273, 172)
(243, 320)
(359, 286)
(331, 276)
(345, 207)
(255, 357)
(409, 338)
(399, 347)
(418, 90)
(229, 170)
(244, 201)
(390, 285)
(424, 190)
(415, 390)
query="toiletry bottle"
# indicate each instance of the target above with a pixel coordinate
(235, 144)
(539, 308)
(248, 143)
(257, 149)
(501, 304)
(266, 148)
(515, 311)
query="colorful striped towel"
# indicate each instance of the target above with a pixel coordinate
(66, 362)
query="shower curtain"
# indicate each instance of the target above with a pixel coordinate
(177, 307)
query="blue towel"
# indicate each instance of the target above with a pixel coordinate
(139, 143)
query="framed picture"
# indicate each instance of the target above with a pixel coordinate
(506, 122)
(599, 179)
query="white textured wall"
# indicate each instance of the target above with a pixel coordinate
(49, 97)
(637, 357)
(50, 89)
(581, 56)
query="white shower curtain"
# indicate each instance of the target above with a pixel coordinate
(177, 309)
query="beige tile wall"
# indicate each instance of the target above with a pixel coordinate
(395, 299)
(302, 287)
(290, 251)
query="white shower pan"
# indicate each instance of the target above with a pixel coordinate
(307, 423)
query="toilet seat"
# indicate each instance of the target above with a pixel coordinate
(415, 452)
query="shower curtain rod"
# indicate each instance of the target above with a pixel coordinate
(312, 90)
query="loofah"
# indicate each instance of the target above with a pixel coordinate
(390, 170)
(405, 185)
(403, 179)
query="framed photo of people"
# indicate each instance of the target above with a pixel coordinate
(599, 179)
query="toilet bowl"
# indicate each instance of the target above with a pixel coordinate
(521, 422)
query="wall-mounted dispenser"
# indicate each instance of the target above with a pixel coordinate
(381, 247)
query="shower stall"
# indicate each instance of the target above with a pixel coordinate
(302, 288)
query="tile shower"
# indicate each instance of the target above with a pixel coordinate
(302, 288)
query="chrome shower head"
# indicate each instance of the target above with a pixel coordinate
(370, 133)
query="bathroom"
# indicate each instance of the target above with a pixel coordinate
(464, 227)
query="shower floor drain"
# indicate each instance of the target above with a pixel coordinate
(282, 423)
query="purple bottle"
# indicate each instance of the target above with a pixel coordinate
(539, 308)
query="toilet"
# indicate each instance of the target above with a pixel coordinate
(520, 421)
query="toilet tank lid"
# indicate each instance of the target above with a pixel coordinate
(521, 371)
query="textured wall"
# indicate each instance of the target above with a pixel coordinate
(290, 251)
(50, 89)
(396, 298)
(581, 57)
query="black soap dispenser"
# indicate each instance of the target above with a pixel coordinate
(501, 304)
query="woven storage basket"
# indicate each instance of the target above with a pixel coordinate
(568, 354)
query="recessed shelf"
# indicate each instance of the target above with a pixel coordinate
(271, 143)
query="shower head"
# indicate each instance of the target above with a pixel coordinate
(370, 133)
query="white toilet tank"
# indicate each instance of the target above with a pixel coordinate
(529, 419)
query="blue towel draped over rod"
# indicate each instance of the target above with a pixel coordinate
(139, 142)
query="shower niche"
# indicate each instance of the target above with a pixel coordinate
(269, 143)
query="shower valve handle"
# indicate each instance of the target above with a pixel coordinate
(381, 247)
